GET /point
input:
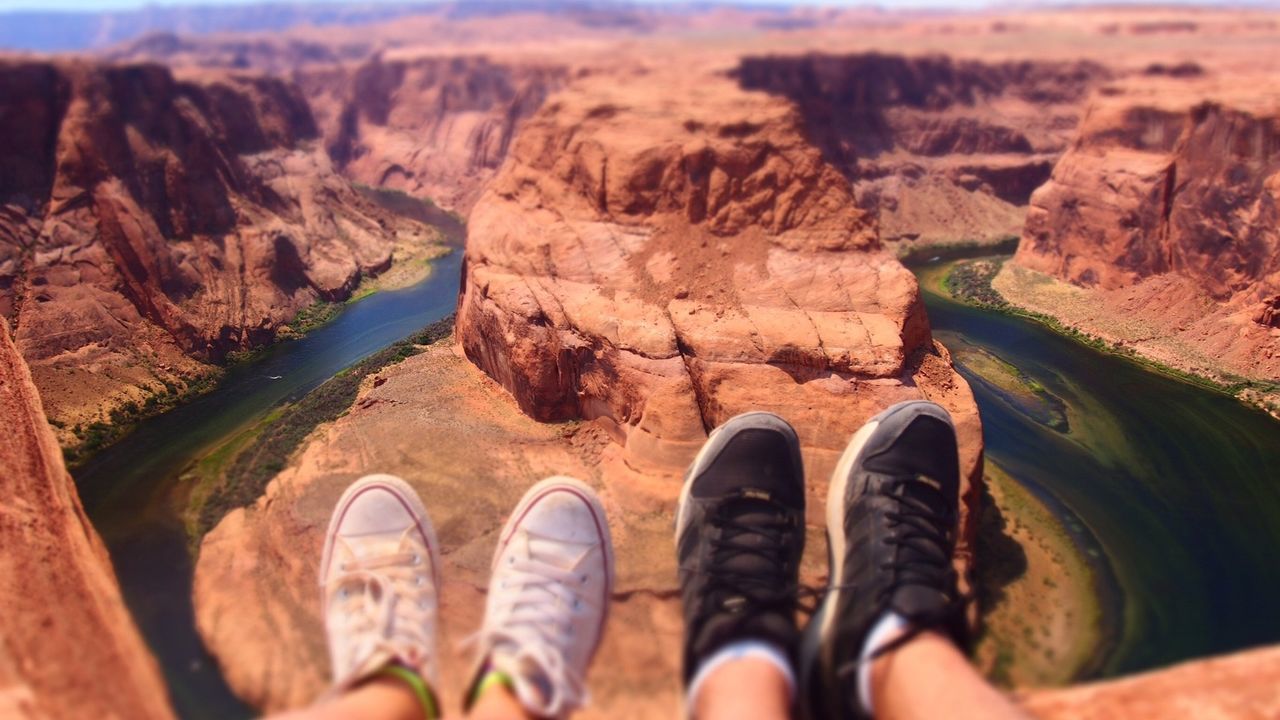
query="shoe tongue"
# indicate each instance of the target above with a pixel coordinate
(913, 598)
(913, 601)
(926, 490)
(751, 511)
(556, 553)
(758, 572)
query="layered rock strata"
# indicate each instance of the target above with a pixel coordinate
(943, 150)
(433, 127)
(65, 625)
(1165, 212)
(152, 223)
(662, 253)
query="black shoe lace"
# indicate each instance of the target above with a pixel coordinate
(928, 534)
(768, 589)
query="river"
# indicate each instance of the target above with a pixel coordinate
(1171, 489)
(132, 494)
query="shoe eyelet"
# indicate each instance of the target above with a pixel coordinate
(585, 579)
(511, 559)
(416, 559)
(420, 581)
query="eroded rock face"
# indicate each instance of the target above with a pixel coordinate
(435, 126)
(64, 619)
(940, 149)
(664, 252)
(150, 222)
(1173, 178)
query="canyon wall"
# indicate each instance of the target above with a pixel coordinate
(943, 150)
(1166, 211)
(434, 126)
(68, 647)
(150, 223)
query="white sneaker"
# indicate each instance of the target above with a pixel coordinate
(549, 595)
(379, 578)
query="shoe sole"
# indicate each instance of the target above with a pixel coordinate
(407, 497)
(719, 437)
(819, 627)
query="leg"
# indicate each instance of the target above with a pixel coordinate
(380, 699)
(887, 639)
(548, 600)
(739, 538)
(747, 689)
(379, 575)
(930, 678)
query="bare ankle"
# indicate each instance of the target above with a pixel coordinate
(747, 689)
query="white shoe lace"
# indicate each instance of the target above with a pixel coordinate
(537, 627)
(382, 623)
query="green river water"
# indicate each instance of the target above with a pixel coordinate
(1172, 490)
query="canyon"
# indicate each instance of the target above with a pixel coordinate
(151, 223)
(670, 219)
(641, 268)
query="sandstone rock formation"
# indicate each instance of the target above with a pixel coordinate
(943, 150)
(665, 252)
(1166, 207)
(431, 126)
(661, 251)
(65, 625)
(150, 223)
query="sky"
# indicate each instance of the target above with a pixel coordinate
(132, 4)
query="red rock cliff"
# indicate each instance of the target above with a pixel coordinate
(146, 219)
(663, 251)
(1169, 200)
(64, 620)
(434, 126)
(941, 149)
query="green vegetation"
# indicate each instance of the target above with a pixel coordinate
(237, 472)
(969, 281)
(1009, 383)
(959, 250)
(94, 436)
(424, 210)
(314, 315)
(1041, 619)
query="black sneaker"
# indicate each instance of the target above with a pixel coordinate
(891, 527)
(739, 538)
